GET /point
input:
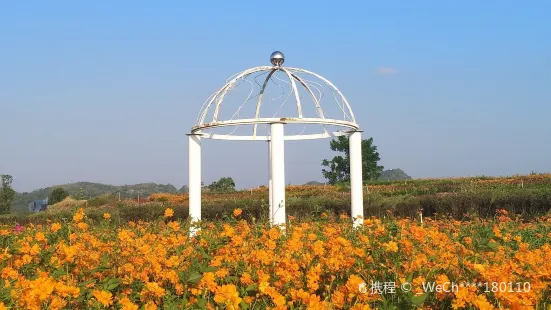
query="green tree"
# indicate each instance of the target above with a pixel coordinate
(339, 166)
(223, 185)
(7, 194)
(57, 195)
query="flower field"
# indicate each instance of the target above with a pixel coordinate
(317, 264)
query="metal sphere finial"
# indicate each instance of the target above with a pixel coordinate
(277, 58)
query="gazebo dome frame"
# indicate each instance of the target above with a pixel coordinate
(276, 138)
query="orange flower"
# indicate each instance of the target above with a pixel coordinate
(169, 212)
(39, 237)
(103, 297)
(82, 226)
(106, 215)
(175, 226)
(79, 215)
(246, 279)
(127, 304)
(55, 227)
(482, 303)
(361, 307)
(237, 212)
(248, 299)
(227, 295)
(153, 289)
(66, 290)
(391, 246)
(150, 306)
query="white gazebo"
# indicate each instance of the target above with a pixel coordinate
(308, 96)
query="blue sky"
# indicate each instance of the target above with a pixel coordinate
(106, 91)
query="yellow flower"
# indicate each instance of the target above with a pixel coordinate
(237, 212)
(106, 215)
(169, 212)
(103, 297)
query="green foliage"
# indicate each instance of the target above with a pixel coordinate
(7, 194)
(57, 195)
(223, 185)
(339, 166)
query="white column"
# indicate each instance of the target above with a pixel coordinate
(277, 167)
(194, 181)
(356, 180)
(270, 190)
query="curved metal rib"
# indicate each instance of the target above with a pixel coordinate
(318, 106)
(316, 102)
(294, 85)
(260, 98)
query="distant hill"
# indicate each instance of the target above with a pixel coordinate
(394, 175)
(22, 200)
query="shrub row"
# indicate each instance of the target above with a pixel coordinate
(525, 203)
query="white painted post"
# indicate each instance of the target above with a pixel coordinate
(194, 181)
(356, 180)
(278, 173)
(270, 188)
